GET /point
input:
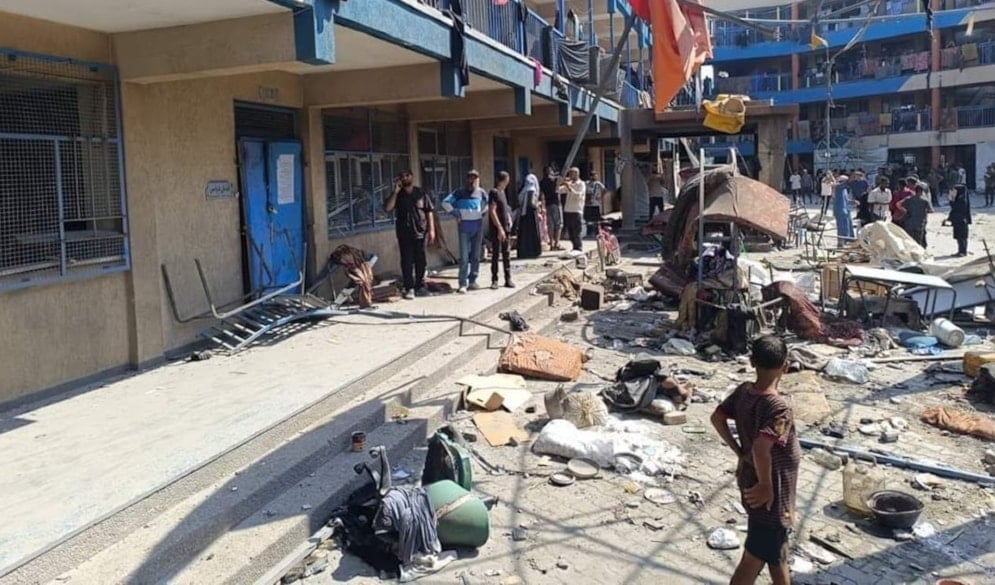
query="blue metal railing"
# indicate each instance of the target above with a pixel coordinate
(975, 116)
(730, 34)
(630, 95)
(499, 22)
(534, 25)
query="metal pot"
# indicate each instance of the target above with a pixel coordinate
(895, 509)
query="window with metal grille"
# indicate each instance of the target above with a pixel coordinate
(365, 150)
(62, 206)
(445, 159)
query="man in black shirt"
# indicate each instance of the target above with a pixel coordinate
(414, 224)
(499, 213)
(554, 212)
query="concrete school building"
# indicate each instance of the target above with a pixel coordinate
(253, 136)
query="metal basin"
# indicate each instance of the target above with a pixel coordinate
(895, 509)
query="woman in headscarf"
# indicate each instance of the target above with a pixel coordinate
(960, 217)
(529, 235)
(841, 211)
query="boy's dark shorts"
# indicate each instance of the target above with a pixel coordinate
(767, 543)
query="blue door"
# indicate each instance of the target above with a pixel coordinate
(273, 204)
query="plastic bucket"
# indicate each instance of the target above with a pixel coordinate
(949, 334)
(463, 519)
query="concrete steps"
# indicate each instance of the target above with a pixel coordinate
(233, 520)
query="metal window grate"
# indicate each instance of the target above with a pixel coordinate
(62, 211)
(365, 149)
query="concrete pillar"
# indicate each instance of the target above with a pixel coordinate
(146, 299)
(934, 93)
(414, 155)
(795, 84)
(770, 149)
(316, 188)
(483, 154)
(628, 172)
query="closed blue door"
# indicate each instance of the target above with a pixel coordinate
(274, 212)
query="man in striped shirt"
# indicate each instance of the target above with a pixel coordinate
(769, 455)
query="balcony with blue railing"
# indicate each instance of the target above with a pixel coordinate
(856, 78)
(735, 42)
(534, 37)
(975, 116)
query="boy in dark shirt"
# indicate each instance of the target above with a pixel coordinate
(769, 455)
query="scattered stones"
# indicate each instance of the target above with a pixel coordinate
(826, 459)
(723, 539)
(562, 564)
(889, 436)
(570, 315)
(989, 458)
(519, 534)
(660, 497)
(817, 553)
(870, 430)
(898, 423)
(675, 418)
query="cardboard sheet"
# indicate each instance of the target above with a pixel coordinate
(499, 428)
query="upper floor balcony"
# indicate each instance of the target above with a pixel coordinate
(734, 42)
(858, 78)
(521, 29)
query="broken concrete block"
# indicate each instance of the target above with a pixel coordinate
(675, 418)
(591, 297)
(570, 315)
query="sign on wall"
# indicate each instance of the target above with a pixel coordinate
(219, 190)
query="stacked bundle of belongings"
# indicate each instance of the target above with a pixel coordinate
(638, 386)
(359, 270)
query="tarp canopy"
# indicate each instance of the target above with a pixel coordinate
(729, 197)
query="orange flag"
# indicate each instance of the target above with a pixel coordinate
(681, 44)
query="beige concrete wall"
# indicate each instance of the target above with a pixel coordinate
(60, 332)
(180, 135)
(228, 46)
(42, 36)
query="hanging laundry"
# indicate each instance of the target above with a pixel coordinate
(969, 52)
(922, 61)
(536, 72)
(908, 62)
(870, 67)
(681, 44)
(458, 42)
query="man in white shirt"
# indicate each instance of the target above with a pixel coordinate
(795, 181)
(879, 199)
(574, 190)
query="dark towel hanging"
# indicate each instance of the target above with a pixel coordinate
(458, 42)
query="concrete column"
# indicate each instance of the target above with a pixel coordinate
(934, 92)
(414, 155)
(147, 304)
(316, 188)
(795, 83)
(628, 172)
(483, 154)
(770, 150)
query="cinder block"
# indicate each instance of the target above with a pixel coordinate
(591, 297)
(675, 418)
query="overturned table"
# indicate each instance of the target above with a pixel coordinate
(896, 283)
